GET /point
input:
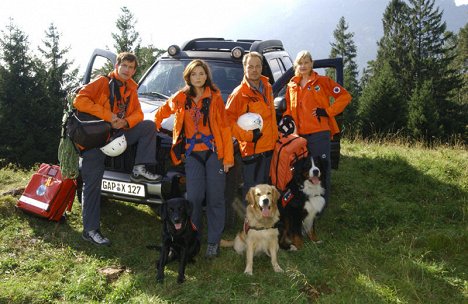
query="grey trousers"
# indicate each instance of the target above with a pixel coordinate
(319, 145)
(92, 170)
(206, 180)
(255, 173)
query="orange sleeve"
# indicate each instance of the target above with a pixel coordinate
(233, 110)
(225, 130)
(94, 99)
(341, 96)
(168, 108)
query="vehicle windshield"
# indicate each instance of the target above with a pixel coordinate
(166, 78)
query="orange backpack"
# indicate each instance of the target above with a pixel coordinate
(287, 151)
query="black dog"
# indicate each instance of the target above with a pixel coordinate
(179, 237)
(300, 203)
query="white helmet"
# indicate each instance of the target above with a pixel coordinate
(116, 146)
(250, 121)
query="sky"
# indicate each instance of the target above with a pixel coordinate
(87, 24)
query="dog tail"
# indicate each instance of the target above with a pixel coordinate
(226, 243)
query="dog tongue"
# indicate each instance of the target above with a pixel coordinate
(265, 212)
(315, 180)
(178, 226)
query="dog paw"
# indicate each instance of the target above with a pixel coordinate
(293, 248)
(160, 279)
(180, 280)
(248, 272)
(277, 268)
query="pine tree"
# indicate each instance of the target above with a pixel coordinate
(127, 37)
(380, 104)
(345, 48)
(431, 59)
(423, 117)
(57, 78)
(127, 40)
(18, 102)
(385, 81)
(393, 47)
(146, 57)
(454, 118)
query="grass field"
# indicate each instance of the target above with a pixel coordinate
(394, 232)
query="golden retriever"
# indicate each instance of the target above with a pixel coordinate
(259, 233)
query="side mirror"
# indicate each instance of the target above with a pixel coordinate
(280, 104)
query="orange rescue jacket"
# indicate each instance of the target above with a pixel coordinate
(245, 99)
(217, 118)
(94, 99)
(316, 94)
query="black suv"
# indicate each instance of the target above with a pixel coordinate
(163, 79)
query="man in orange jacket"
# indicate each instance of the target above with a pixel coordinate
(255, 95)
(126, 117)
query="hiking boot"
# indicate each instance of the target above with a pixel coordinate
(141, 174)
(212, 251)
(95, 237)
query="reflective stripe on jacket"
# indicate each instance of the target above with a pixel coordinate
(94, 99)
(217, 117)
(245, 99)
(316, 94)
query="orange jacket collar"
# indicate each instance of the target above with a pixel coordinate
(131, 84)
(263, 79)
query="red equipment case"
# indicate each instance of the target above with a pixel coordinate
(47, 194)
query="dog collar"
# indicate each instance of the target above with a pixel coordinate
(247, 227)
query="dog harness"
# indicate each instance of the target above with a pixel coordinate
(247, 227)
(286, 198)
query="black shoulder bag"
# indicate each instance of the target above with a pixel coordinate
(89, 131)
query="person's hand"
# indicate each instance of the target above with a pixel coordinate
(319, 112)
(256, 135)
(119, 123)
(227, 167)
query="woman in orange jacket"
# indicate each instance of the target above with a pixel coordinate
(200, 125)
(308, 104)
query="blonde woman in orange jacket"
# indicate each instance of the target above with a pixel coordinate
(201, 126)
(308, 104)
(254, 95)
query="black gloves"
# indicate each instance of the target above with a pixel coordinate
(256, 135)
(321, 112)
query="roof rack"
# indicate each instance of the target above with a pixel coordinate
(266, 46)
(219, 44)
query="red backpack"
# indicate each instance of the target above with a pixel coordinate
(287, 151)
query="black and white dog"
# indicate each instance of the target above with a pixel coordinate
(301, 203)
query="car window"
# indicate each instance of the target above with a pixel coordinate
(287, 62)
(276, 69)
(166, 77)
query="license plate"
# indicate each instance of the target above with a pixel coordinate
(123, 188)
